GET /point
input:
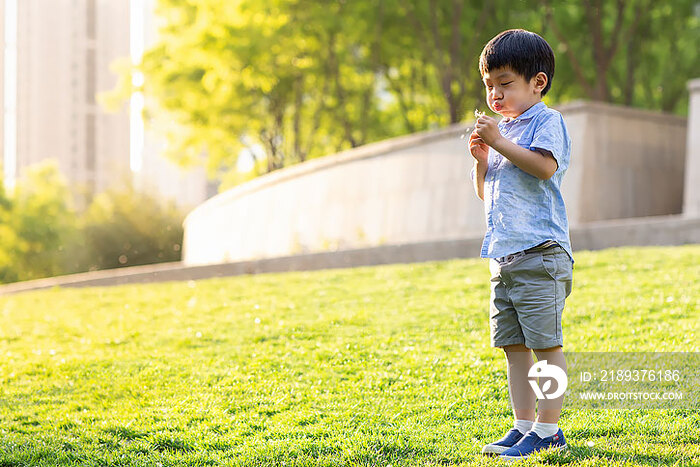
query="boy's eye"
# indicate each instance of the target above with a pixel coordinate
(506, 84)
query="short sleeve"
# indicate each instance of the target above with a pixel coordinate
(551, 136)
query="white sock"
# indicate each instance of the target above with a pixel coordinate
(523, 426)
(545, 430)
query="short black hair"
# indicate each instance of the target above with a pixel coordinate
(525, 52)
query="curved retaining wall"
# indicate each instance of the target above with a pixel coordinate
(404, 190)
(416, 188)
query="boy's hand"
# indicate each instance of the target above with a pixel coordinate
(478, 149)
(487, 129)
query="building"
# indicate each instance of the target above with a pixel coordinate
(64, 50)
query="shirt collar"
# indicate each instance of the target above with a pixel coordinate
(528, 114)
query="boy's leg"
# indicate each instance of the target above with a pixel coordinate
(545, 432)
(506, 334)
(541, 283)
(549, 410)
(522, 398)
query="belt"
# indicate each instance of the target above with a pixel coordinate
(542, 246)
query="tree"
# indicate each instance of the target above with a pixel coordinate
(449, 35)
(130, 228)
(289, 76)
(7, 237)
(632, 52)
(36, 223)
(304, 79)
(41, 235)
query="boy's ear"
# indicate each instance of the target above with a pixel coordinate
(540, 80)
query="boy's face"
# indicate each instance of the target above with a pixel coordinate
(509, 94)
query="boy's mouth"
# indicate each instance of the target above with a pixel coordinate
(497, 106)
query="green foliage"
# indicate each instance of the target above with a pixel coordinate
(638, 53)
(129, 228)
(7, 234)
(36, 222)
(42, 235)
(304, 79)
(245, 73)
(356, 367)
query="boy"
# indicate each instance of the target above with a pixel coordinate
(519, 163)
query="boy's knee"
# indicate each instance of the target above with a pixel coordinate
(556, 348)
(515, 348)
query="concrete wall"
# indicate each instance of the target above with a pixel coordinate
(625, 162)
(691, 202)
(404, 190)
(416, 189)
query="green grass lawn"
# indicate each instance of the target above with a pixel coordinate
(386, 365)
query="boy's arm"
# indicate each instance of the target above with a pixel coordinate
(478, 177)
(539, 164)
(480, 151)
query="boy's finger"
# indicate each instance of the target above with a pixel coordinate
(476, 145)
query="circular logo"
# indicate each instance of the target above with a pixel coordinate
(542, 369)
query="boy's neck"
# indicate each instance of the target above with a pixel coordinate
(507, 119)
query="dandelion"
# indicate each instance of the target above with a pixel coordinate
(477, 114)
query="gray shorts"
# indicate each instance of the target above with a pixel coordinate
(527, 298)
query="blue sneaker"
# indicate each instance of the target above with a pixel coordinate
(512, 437)
(531, 443)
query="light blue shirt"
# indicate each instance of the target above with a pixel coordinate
(522, 210)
